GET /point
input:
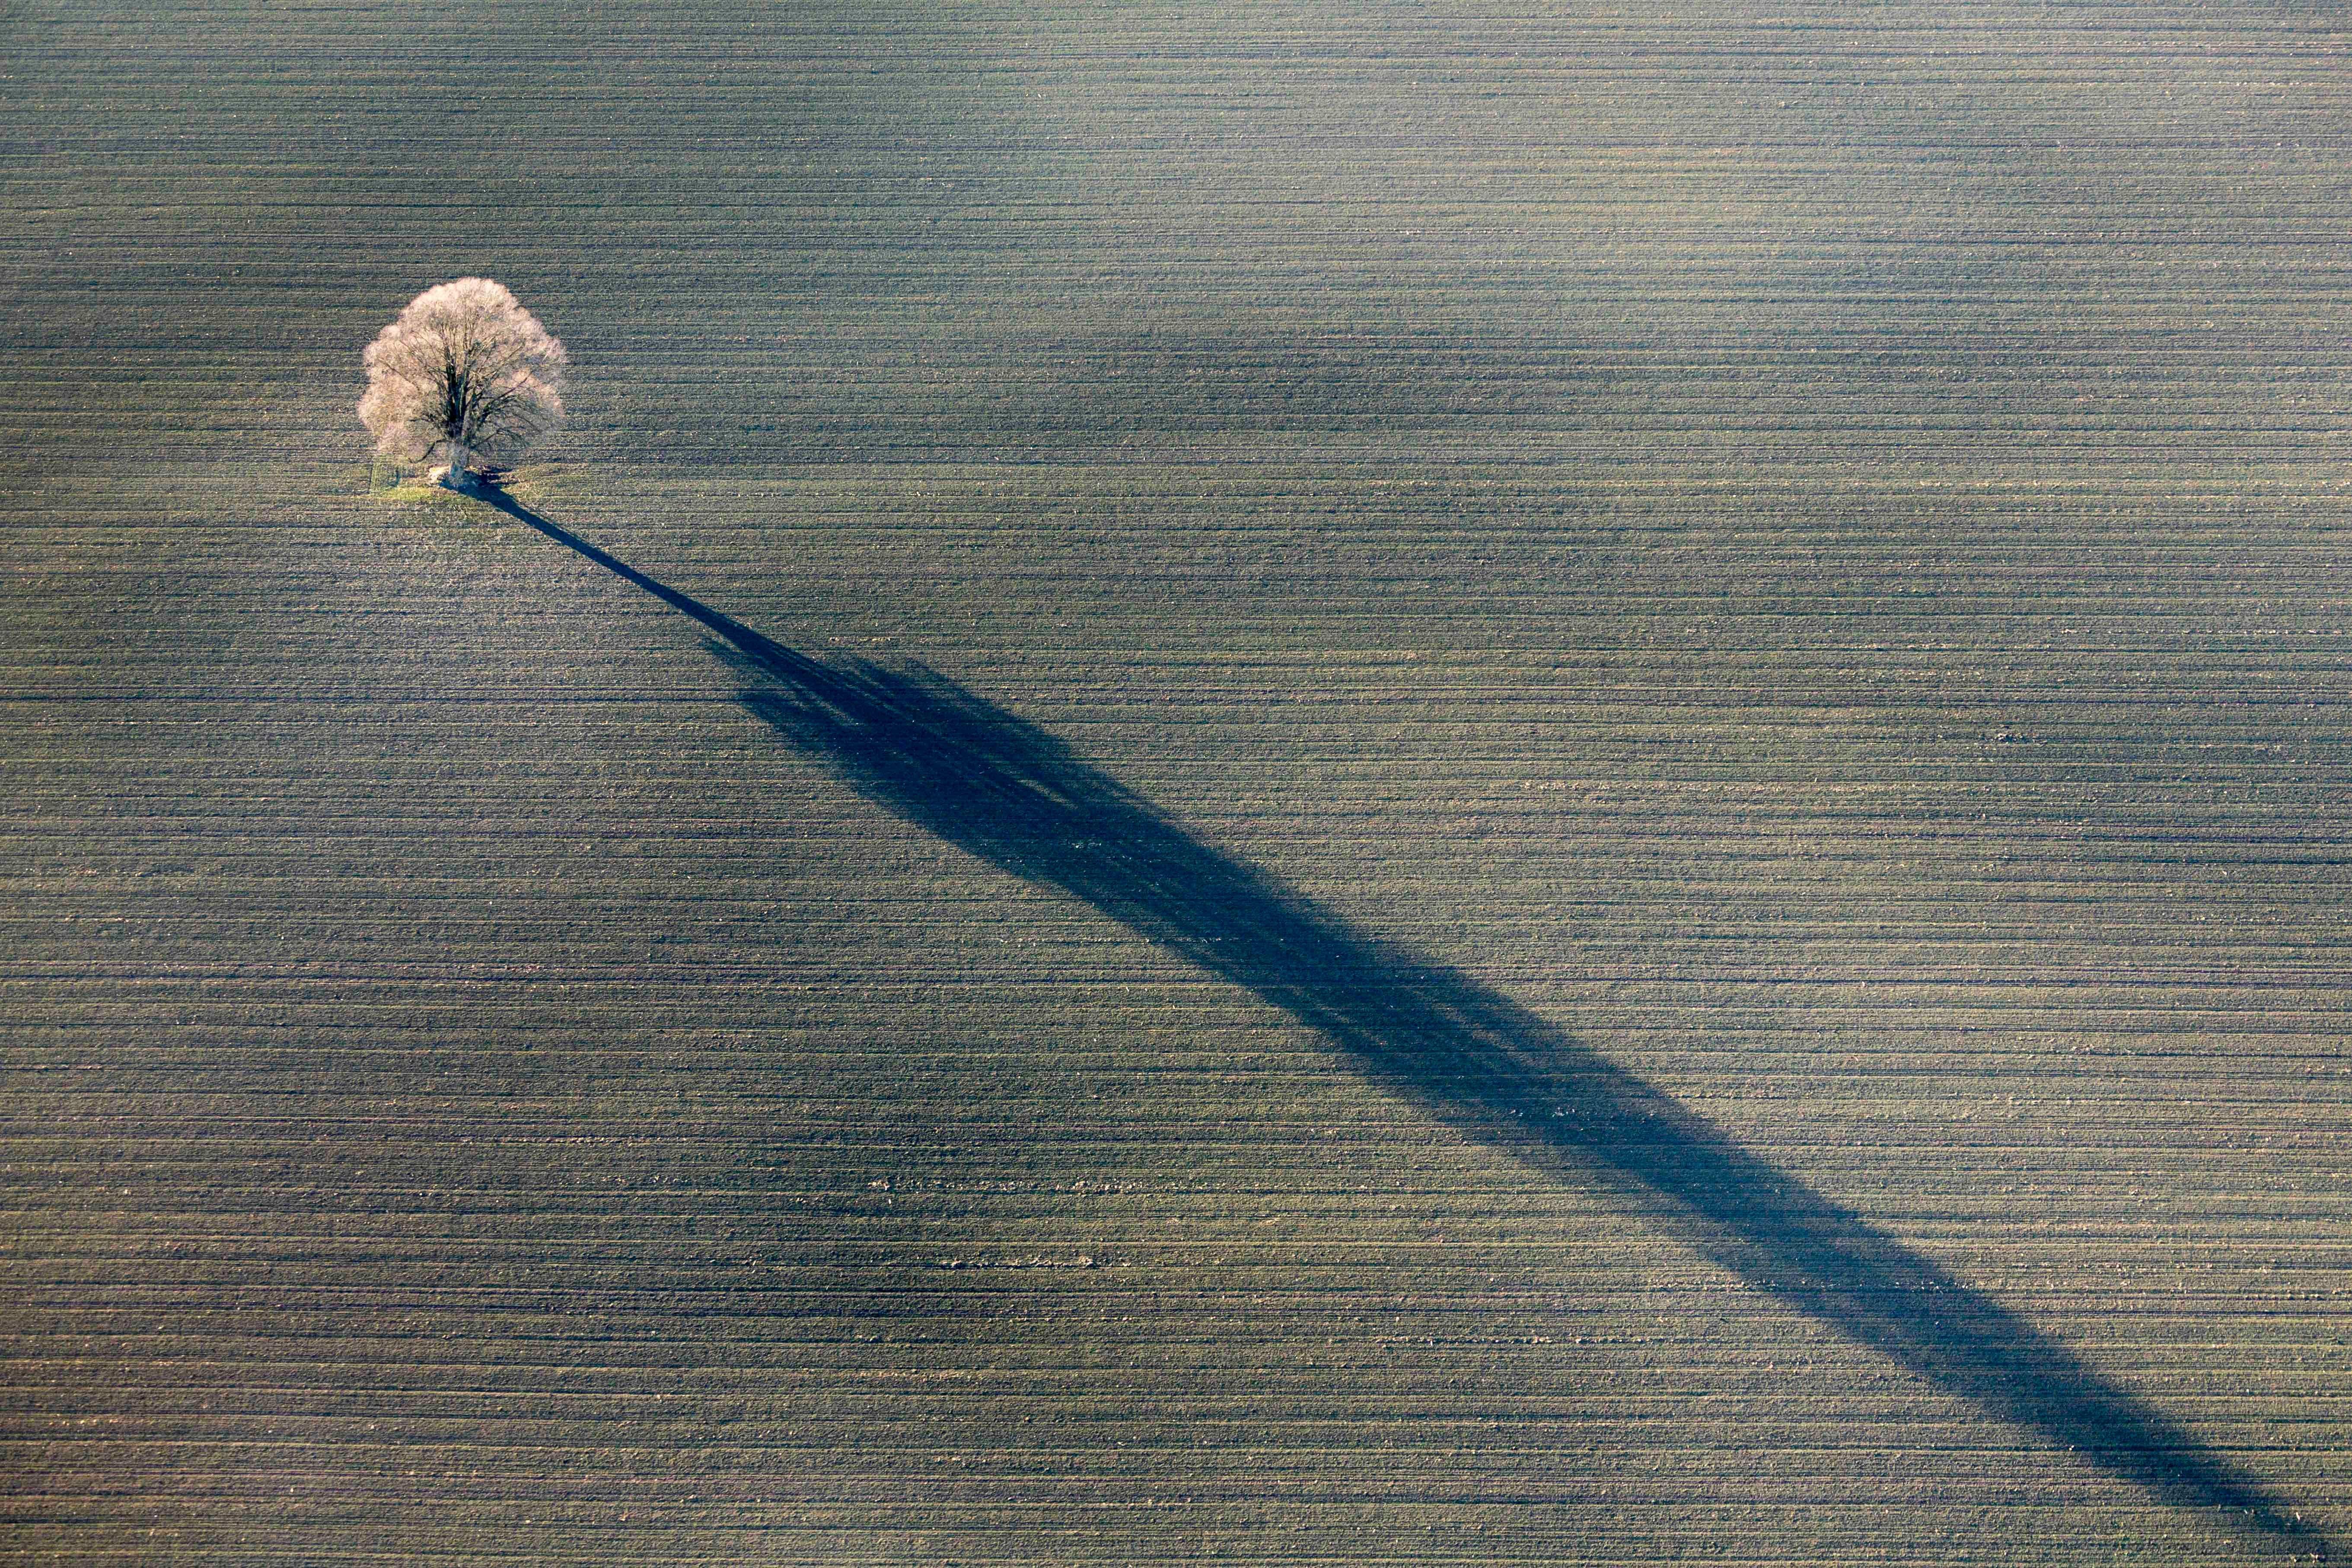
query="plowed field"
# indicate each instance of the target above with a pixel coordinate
(1559, 784)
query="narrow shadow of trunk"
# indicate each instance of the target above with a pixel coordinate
(989, 782)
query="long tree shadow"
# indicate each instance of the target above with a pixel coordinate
(998, 786)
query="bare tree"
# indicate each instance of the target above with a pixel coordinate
(465, 374)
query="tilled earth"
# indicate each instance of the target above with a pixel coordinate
(1791, 563)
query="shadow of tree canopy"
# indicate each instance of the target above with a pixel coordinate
(1009, 793)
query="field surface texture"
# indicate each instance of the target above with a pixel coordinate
(1443, 783)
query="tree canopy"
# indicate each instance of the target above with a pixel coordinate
(466, 374)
